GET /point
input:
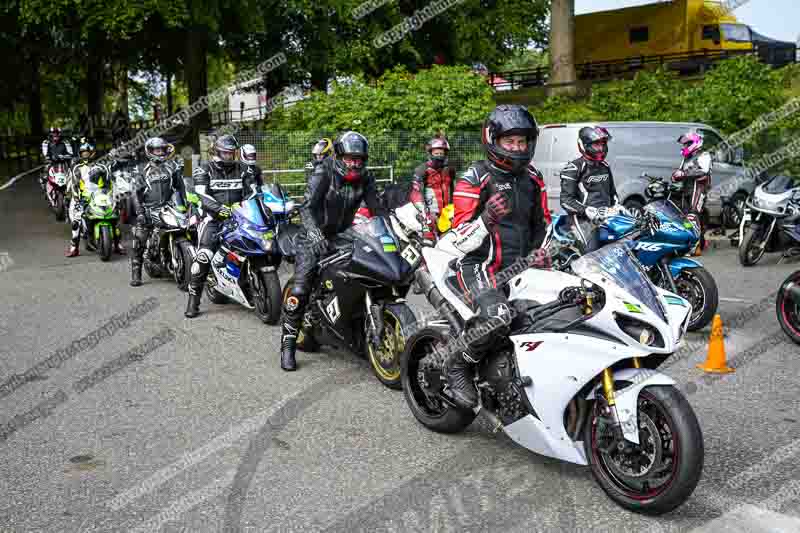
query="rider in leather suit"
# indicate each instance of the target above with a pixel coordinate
(695, 174)
(218, 184)
(334, 191)
(587, 187)
(498, 220)
(432, 185)
(153, 188)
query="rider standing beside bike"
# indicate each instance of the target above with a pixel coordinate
(587, 187)
(249, 157)
(334, 191)
(695, 175)
(432, 185)
(498, 220)
(218, 184)
(153, 188)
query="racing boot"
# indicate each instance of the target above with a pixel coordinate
(72, 251)
(136, 274)
(288, 345)
(460, 373)
(193, 304)
(118, 249)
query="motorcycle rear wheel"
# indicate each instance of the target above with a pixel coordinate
(427, 406)
(661, 472)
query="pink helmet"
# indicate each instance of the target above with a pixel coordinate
(691, 142)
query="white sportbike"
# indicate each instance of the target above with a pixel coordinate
(576, 377)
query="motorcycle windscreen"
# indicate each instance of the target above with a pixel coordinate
(780, 184)
(666, 209)
(616, 263)
(377, 253)
(251, 212)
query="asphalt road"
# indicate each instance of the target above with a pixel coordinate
(198, 429)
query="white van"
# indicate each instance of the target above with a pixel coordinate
(638, 148)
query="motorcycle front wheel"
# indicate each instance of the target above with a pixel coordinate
(752, 247)
(183, 265)
(398, 319)
(106, 243)
(787, 307)
(59, 207)
(267, 297)
(661, 472)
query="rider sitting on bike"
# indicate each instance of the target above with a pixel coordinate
(587, 188)
(53, 148)
(334, 191)
(152, 189)
(498, 220)
(219, 184)
(695, 176)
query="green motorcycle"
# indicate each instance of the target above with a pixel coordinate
(101, 217)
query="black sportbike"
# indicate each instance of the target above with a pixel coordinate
(358, 301)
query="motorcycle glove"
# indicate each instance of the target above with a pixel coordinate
(224, 212)
(496, 208)
(592, 214)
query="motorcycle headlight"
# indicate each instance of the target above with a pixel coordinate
(643, 333)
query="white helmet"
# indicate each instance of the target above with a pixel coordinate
(248, 154)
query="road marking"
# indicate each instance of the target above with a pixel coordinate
(736, 300)
(10, 182)
(751, 519)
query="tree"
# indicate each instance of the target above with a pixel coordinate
(562, 45)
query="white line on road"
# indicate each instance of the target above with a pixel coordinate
(10, 182)
(736, 300)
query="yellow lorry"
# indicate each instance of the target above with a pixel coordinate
(685, 27)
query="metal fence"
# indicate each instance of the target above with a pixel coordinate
(393, 156)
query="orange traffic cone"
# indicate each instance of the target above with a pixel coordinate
(715, 362)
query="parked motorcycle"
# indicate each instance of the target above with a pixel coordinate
(661, 253)
(245, 268)
(770, 221)
(576, 379)
(358, 302)
(171, 247)
(56, 186)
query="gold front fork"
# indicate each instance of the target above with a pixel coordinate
(608, 386)
(636, 363)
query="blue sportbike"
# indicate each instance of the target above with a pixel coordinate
(245, 268)
(661, 251)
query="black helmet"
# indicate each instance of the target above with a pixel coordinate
(509, 120)
(588, 136)
(224, 150)
(158, 150)
(351, 144)
(323, 149)
(88, 148)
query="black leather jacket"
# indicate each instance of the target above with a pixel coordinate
(587, 184)
(155, 185)
(216, 185)
(54, 150)
(330, 203)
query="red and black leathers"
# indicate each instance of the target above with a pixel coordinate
(695, 174)
(431, 191)
(517, 234)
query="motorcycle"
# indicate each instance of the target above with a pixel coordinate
(170, 248)
(770, 221)
(358, 301)
(245, 268)
(56, 186)
(102, 217)
(576, 378)
(661, 253)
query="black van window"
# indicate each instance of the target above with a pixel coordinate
(711, 31)
(640, 34)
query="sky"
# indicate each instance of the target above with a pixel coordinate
(778, 19)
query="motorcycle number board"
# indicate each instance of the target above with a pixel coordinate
(411, 255)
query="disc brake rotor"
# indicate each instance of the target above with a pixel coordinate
(637, 461)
